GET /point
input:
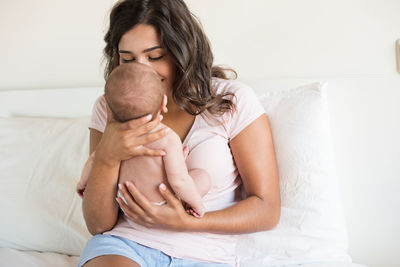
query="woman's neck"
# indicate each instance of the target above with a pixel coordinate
(178, 120)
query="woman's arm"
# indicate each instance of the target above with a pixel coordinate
(254, 155)
(100, 191)
(120, 141)
(94, 138)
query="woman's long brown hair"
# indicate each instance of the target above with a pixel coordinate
(183, 38)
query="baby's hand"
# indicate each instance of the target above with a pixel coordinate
(80, 187)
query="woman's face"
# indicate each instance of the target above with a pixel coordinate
(142, 44)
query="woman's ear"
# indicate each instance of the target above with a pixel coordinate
(164, 104)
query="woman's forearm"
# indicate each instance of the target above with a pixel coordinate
(249, 215)
(100, 209)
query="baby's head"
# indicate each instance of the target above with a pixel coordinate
(132, 91)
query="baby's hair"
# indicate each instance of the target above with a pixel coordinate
(132, 91)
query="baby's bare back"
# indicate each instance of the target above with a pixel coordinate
(146, 172)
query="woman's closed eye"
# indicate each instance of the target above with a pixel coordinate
(156, 58)
(149, 58)
(127, 60)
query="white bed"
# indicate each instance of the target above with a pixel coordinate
(312, 230)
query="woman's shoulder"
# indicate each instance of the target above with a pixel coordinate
(99, 114)
(243, 93)
(101, 102)
(222, 86)
(100, 107)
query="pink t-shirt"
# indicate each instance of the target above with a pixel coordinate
(209, 149)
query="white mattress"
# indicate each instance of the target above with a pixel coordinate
(15, 258)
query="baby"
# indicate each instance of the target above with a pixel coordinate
(132, 91)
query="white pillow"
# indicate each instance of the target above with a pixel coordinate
(40, 163)
(311, 227)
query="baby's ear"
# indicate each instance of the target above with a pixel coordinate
(164, 104)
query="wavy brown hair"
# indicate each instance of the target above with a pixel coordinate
(183, 38)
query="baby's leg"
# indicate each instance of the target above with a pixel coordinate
(191, 189)
(201, 179)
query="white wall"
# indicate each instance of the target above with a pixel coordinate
(47, 44)
(303, 38)
(58, 43)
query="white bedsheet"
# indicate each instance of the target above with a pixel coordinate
(14, 258)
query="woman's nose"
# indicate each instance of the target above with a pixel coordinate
(143, 61)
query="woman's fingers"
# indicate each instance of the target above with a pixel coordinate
(126, 140)
(145, 128)
(140, 210)
(140, 199)
(151, 137)
(138, 143)
(130, 207)
(144, 151)
(142, 125)
(135, 124)
(169, 196)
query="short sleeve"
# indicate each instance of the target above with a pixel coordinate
(248, 109)
(99, 115)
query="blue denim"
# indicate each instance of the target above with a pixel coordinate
(146, 257)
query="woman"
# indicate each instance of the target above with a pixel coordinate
(219, 120)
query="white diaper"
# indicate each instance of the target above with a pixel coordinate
(160, 203)
(155, 203)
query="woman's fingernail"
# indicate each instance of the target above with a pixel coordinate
(148, 117)
(163, 153)
(129, 184)
(120, 186)
(161, 117)
(163, 187)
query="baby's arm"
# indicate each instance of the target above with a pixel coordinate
(179, 178)
(80, 187)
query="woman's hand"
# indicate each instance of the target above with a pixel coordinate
(170, 216)
(122, 141)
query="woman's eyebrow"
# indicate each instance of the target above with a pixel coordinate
(151, 49)
(144, 51)
(124, 52)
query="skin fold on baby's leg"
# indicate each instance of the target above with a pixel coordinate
(202, 180)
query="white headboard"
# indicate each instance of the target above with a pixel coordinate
(62, 102)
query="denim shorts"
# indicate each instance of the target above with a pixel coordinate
(144, 256)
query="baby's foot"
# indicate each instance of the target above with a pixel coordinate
(198, 213)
